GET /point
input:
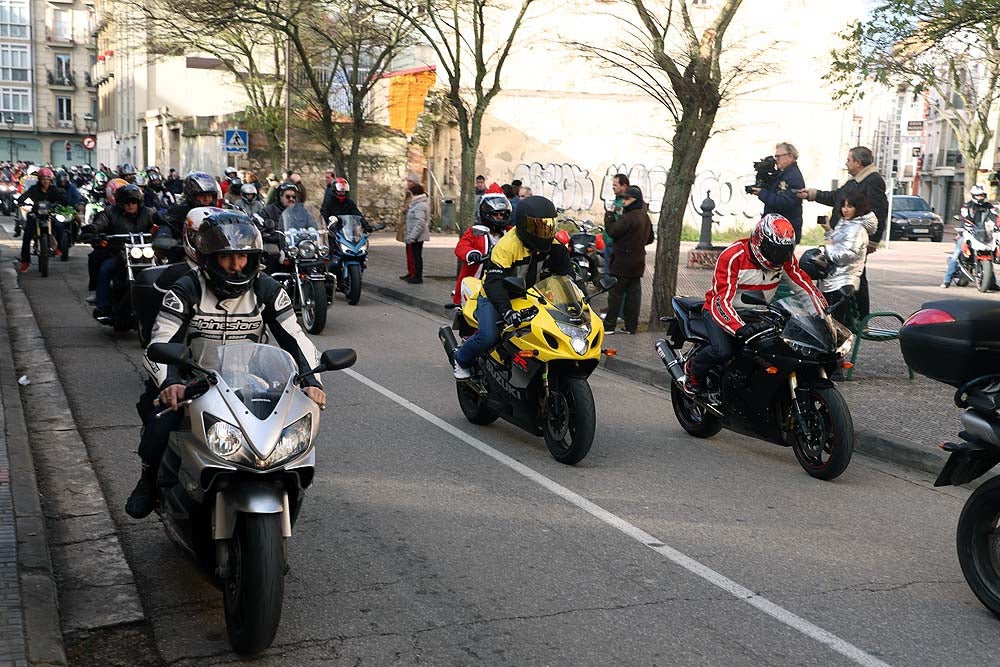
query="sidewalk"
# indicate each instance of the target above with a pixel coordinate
(895, 418)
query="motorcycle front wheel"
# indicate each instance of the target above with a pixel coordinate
(65, 243)
(826, 450)
(984, 275)
(353, 284)
(570, 420)
(978, 543)
(314, 306)
(43, 254)
(253, 591)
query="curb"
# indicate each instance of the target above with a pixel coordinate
(95, 583)
(868, 442)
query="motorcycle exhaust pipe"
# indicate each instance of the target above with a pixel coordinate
(670, 360)
(448, 340)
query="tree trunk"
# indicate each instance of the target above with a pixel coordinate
(354, 156)
(690, 137)
(470, 130)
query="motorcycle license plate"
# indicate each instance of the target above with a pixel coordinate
(920, 230)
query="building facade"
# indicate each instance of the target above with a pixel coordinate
(47, 95)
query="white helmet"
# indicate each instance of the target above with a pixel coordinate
(978, 193)
(191, 226)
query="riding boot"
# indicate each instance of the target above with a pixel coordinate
(143, 498)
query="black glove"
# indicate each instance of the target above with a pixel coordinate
(749, 330)
(474, 257)
(513, 318)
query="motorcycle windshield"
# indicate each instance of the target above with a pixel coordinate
(257, 373)
(349, 226)
(299, 225)
(562, 297)
(807, 329)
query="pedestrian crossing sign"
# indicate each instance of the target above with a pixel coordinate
(236, 141)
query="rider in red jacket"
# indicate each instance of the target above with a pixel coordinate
(755, 264)
(475, 244)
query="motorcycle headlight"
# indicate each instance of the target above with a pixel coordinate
(293, 441)
(323, 249)
(60, 217)
(363, 247)
(293, 252)
(307, 250)
(574, 330)
(148, 253)
(223, 438)
(135, 252)
(845, 348)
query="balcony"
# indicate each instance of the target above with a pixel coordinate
(88, 80)
(54, 37)
(64, 79)
(74, 125)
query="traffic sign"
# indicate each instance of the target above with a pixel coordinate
(89, 142)
(236, 141)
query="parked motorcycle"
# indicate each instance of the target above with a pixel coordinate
(536, 377)
(348, 254)
(305, 251)
(586, 251)
(233, 479)
(776, 388)
(979, 252)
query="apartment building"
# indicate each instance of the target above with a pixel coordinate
(47, 96)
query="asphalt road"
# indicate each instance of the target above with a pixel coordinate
(426, 539)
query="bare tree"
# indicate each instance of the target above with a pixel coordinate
(951, 48)
(472, 40)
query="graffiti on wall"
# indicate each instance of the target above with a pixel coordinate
(569, 186)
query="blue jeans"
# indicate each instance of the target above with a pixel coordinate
(485, 339)
(952, 269)
(105, 273)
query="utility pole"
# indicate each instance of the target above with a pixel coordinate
(288, 98)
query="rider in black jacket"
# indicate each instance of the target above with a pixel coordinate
(337, 202)
(41, 191)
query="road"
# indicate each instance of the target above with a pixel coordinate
(426, 539)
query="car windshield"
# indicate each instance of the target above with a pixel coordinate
(809, 328)
(348, 226)
(909, 204)
(254, 371)
(561, 295)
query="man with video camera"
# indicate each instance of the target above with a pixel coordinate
(776, 185)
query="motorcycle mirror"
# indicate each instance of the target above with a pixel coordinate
(332, 220)
(753, 299)
(606, 283)
(515, 285)
(332, 360)
(379, 227)
(172, 354)
(847, 290)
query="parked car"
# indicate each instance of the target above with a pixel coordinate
(913, 219)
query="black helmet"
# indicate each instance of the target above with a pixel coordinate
(198, 183)
(127, 172)
(815, 263)
(130, 193)
(285, 187)
(494, 212)
(155, 180)
(535, 222)
(227, 232)
(62, 178)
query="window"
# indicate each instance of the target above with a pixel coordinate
(14, 18)
(62, 25)
(64, 71)
(14, 65)
(16, 102)
(64, 105)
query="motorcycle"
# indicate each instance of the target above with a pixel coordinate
(348, 254)
(305, 250)
(8, 191)
(776, 387)
(953, 341)
(586, 251)
(979, 252)
(536, 377)
(135, 253)
(232, 481)
(71, 229)
(44, 242)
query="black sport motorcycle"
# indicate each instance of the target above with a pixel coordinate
(775, 388)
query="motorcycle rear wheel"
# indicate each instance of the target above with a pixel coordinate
(314, 307)
(830, 416)
(693, 418)
(978, 543)
(253, 591)
(473, 405)
(570, 422)
(984, 275)
(353, 284)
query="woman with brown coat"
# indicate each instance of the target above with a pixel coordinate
(631, 234)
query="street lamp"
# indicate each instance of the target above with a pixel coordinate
(10, 128)
(88, 120)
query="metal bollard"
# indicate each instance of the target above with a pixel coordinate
(707, 208)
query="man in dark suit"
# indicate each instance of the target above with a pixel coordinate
(780, 194)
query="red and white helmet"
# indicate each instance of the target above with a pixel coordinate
(772, 241)
(340, 188)
(192, 224)
(111, 188)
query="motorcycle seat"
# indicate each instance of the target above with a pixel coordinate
(691, 304)
(689, 311)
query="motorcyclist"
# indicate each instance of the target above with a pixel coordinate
(153, 196)
(976, 212)
(127, 214)
(127, 172)
(531, 248)
(97, 186)
(337, 201)
(44, 190)
(228, 178)
(473, 248)
(73, 196)
(200, 189)
(754, 264)
(226, 286)
(249, 202)
(287, 195)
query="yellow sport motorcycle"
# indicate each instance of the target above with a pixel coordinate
(536, 377)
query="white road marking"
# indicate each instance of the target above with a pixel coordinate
(835, 643)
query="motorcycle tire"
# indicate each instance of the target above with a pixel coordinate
(43, 255)
(353, 284)
(984, 275)
(975, 541)
(474, 406)
(314, 308)
(961, 282)
(65, 243)
(937, 238)
(693, 418)
(833, 418)
(253, 591)
(569, 431)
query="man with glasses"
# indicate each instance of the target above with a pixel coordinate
(287, 195)
(780, 194)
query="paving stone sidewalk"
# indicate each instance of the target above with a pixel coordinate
(895, 418)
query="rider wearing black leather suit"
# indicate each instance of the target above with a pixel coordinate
(43, 190)
(224, 300)
(287, 195)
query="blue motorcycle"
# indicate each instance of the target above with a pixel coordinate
(348, 254)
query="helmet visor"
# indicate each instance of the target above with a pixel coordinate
(776, 254)
(228, 237)
(542, 228)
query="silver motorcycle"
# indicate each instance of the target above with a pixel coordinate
(232, 481)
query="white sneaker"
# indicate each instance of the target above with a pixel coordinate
(461, 373)
(945, 285)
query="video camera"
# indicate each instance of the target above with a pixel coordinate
(766, 171)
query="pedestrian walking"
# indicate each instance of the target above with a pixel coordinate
(631, 234)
